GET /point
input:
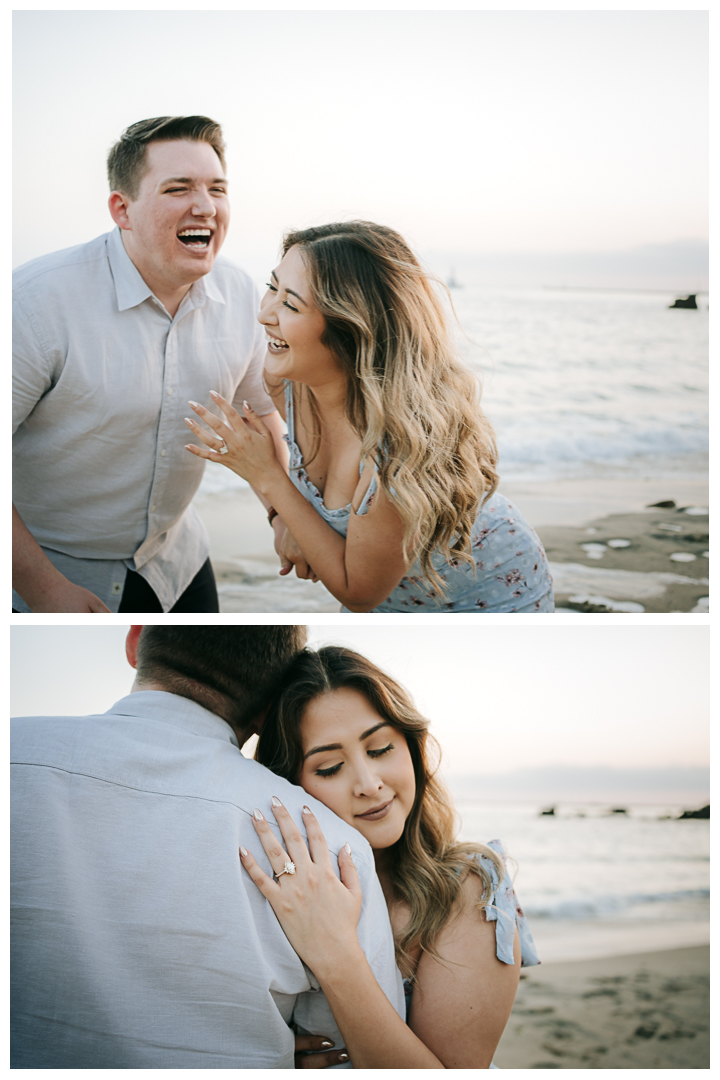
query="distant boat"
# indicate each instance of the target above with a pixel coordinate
(452, 282)
(688, 302)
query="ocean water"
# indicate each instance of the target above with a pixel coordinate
(586, 875)
(581, 382)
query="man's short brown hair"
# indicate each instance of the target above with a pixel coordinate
(127, 161)
(230, 670)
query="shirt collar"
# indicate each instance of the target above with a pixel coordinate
(131, 289)
(158, 705)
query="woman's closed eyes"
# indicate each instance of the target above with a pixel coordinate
(285, 302)
(335, 769)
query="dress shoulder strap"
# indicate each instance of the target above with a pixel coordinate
(289, 411)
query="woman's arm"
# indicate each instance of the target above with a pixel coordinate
(360, 571)
(461, 1003)
(319, 915)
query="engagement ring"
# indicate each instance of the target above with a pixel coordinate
(289, 869)
(223, 449)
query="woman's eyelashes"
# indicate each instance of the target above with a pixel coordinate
(379, 753)
(335, 769)
(332, 771)
(285, 303)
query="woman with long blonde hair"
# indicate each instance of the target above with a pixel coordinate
(351, 736)
(391, 499)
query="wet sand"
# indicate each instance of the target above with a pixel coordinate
(642, 1011)
(638, 576)
(654, 561)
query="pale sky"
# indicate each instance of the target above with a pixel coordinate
(499, 698)
(472, 131)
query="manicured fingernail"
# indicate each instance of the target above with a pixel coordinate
(307, 810)
(214, 393)
(275, 801)
(257, 815)
(188, 421)
(243, 852)
(326, 1044)
(246, 406)
(342, 1057)
(195, 404)
(347, 848)
(189, 446)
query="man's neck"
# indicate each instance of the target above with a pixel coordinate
(170, 296)
(241, 734)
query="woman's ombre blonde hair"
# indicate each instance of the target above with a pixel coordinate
(413, 403)
(428, 866)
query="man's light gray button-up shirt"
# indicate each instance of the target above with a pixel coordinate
(138, 940)
(101, 381)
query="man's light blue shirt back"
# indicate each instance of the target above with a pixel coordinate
(138, 941)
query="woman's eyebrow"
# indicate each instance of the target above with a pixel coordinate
(366, 734)
(339, 746)
(319, 749)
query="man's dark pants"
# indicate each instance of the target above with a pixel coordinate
(200, 595)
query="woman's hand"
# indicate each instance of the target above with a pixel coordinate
(291, 555)
(250, 448)
(318, 912)
(319, 915)
(311, 1052)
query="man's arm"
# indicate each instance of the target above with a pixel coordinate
(41, 585)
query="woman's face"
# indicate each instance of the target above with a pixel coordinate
(358, 765)
(294, 327)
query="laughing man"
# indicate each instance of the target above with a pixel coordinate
(111, 340)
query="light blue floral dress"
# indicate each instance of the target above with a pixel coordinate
(504, 910)
(510, 571)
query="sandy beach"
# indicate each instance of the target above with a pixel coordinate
(641, 574)
(640, 1011)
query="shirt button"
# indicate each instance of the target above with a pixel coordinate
(152, 508)
(170, 391)
(117, 588)
(162, 453)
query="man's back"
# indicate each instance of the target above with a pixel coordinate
(137, 942)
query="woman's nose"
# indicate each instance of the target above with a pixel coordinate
(266, 316)
(367, 782)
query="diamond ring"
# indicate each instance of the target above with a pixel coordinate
(289, 869)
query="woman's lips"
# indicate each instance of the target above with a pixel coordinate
(378, 813)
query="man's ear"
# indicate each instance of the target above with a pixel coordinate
(131, 645)
(118, 206)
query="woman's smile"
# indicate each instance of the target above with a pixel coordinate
(378, 813)
(275, 344)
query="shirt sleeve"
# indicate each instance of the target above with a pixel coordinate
(32, 369)
(251, 387)
(504, 909)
